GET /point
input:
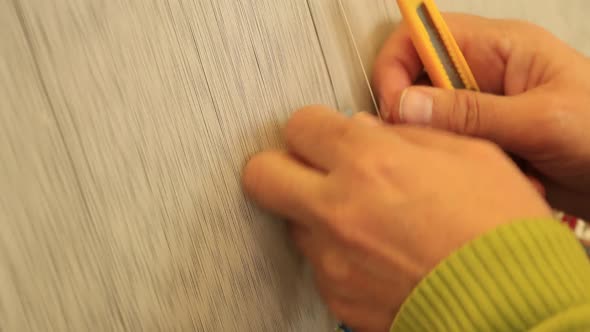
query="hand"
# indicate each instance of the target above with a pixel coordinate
(544, 116)
(376, 207)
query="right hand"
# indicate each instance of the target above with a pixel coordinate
(535, 101)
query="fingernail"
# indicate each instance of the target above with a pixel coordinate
(416, 107)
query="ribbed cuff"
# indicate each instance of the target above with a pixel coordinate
(525, 275)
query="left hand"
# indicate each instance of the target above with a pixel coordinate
(375, 208)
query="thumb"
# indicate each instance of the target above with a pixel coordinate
(500, 119)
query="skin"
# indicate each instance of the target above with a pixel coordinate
(375, 207)
(534, 105)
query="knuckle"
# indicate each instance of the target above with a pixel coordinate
(343, 219)
(353, 231)
(348, 234)
(338, 216)
(300, 119)
(320, 212)
(327, 214)
(465, 113)
(370, 165)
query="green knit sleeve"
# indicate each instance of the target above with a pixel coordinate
(527, 276)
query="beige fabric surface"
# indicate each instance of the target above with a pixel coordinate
(124, 125)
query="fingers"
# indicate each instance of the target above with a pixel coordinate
(511, 122)
(326, 139)
(487, 45)
(396, 67)
(482, 41)
(284, 186)
(317, 135)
